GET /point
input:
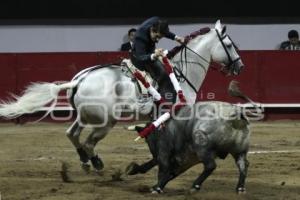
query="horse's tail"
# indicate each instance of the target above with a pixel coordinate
(33, 99)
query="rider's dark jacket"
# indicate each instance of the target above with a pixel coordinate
(143, 46)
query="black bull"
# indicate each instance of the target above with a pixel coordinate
(210, 130)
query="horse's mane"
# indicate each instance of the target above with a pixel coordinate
(187, 38)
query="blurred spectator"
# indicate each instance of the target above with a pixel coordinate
(128, 45)
(293, 43)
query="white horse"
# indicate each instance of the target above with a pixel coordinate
(104, 94)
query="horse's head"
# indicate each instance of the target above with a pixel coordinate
(193, 58)
(224, 51)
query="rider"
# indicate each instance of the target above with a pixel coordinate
(144, 54)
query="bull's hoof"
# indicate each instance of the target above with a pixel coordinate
(83, 155)
(86, 167)
(156, 190)
(195, 188)
(132, 169)
(241, 190)
(97, 163)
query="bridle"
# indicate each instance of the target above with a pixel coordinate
(228, 68)
(231, 63)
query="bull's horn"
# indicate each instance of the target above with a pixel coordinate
(137, 139)
(132, 128)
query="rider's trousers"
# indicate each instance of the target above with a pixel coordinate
(157, 71)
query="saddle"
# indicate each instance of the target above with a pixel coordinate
(128, 69)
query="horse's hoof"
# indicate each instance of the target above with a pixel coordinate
(241, 190)
(86, 167)
(132, 169)
(156, 190)
(83, 155)
(194, 189)
(97, 163)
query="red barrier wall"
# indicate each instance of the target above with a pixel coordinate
(8, 77)
(269, 76)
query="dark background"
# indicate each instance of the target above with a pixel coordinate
(134, 11)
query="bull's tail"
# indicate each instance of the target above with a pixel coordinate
(33, 99)
(234, 91)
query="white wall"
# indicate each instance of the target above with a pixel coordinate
(82, 38)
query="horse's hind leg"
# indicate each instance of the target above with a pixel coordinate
(93, 138)
(73, 133)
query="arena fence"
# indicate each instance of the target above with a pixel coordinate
(270, 78)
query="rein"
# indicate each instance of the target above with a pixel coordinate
(183, 53)
(179, 74)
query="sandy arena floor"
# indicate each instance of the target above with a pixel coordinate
(31, 159)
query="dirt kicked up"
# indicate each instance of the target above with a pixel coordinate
(32, 157)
